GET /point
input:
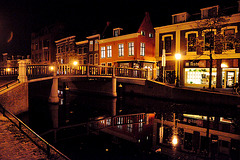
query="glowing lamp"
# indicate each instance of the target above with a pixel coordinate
(223, 65)
(178, 56)
(75, 63)
(51, 68)
(8, 69)
(174, 140)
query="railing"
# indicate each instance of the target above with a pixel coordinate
(96, 70)
(9, 84)
(52, 152)
(39, 71)
(130, 72)
(6, 71)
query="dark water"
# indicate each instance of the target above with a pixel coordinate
(115, 144)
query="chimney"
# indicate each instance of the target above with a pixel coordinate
(28, 56)
(12, 57)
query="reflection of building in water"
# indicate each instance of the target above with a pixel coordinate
(134, 128)
(192, 131)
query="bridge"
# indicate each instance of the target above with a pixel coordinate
(29, 73)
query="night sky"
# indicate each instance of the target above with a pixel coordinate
(85, 17)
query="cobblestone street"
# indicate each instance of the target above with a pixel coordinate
(16, 145)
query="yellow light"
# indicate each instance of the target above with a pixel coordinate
(178, 56)
(174, 140)
(223, 65)
(51, 68)
(75, 63)
(8, 69)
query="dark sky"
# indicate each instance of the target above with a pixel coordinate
(82, 17)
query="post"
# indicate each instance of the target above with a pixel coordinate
(148, 74)
(22, 74)
(114, 83)
(53, 98)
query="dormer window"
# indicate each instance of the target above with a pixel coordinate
(209, 12)
(142, 33)
(116, 32)
(180, 17)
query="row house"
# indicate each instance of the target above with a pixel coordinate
(196, 41)
(66, 50)
(134, 50)
(43, 48)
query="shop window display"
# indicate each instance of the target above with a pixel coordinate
(200, 76)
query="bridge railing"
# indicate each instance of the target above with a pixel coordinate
(39, 71)
(7, 71)
(131, 72)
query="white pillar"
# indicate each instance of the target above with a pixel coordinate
(22, 73)
(53, 98)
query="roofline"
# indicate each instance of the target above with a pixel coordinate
(63, 39)
(82, 42)
(127, 36)
(93, 36)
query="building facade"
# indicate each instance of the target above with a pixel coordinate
(43, 48)
(66, 50)
(134, 50)
(197, 41)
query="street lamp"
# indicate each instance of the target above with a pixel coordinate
(75, 63)
(178, 57)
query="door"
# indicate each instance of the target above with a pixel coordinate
(230, 79)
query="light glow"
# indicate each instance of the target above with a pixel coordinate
(75, 63)
(8, 69)
(51, 68)
(178, 56)
(223, 65)
(174, 140)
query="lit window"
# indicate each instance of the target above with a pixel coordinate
(121, 50)
(131, 49)
(91, 45)
(142, 49)
(142, 33)
(109, 51)
(96, 45)
(102, 52)
(150, 35)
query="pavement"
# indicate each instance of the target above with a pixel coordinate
(16, 145)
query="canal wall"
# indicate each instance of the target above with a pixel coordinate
(102, 86)
(161, 90)
(15, 98)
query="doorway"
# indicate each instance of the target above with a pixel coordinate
(230, 77)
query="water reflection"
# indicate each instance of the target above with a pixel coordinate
(176, 130)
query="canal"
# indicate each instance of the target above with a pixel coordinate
(135, 127)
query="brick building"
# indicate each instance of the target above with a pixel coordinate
(195, 45)
(135, 50)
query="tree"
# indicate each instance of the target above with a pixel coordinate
(215, 39)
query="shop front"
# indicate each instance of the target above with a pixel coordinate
(196, 74)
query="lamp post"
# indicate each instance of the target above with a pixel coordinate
(178, 57)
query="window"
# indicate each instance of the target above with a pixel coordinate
(96, 59)
(191, 42)
(91, 45)
(142, 49)
(168, 44)
(102, 52)
(120, 50)
(209, 41)
(142, 33)
(96, 45)
(131, 49)
(229, 35)
(116, 33)
(150, 35)
(91, 59)
(109, 51)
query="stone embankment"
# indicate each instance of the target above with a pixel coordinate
(16, 145)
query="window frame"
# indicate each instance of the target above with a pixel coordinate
(142, 49)
(109, 51)
(103, 52)
(131, 49)
(121, 50)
